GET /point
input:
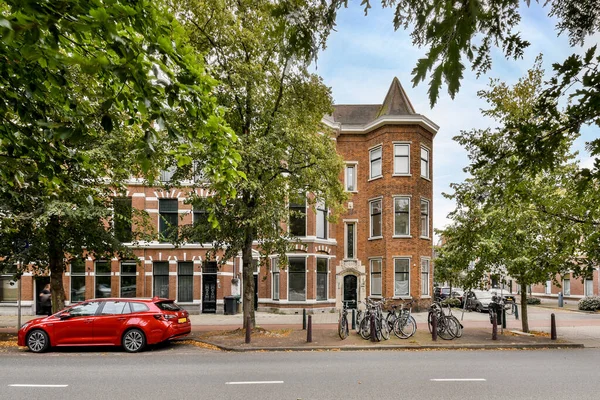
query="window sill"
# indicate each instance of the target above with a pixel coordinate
(426, 178)
(375, 238)
(405, 297)
(396, 174)
(350, 191)
(375, 178)
(376, 296)
(402, 236)
(425, 237)
(426, 297)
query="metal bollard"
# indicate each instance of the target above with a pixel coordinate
(309, 330)
(503, 318)
(552, 327)
(248, 329)
(304, 319)
(516, 312)
(494, 328)
(560, 299)
(353, 319)
(373, 336)
(434, 327)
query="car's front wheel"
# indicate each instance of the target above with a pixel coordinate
(38, 341)
(134, 340)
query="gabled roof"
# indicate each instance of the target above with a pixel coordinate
(396, 108)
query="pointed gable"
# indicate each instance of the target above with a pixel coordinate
(396, 101)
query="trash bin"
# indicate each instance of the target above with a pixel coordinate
(230, 305)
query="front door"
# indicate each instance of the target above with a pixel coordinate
(350, 292)
(209, 293)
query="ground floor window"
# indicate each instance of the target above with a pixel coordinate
(425, 277)
(103, 279)
(185, 282)
(401, 276)
(276, 282)
(589, 287)
(8, 289)
(128, 278)
(77, 280)
(321, 279)
(297, 279)
(161, 279)
(566, 286)
(375, 277)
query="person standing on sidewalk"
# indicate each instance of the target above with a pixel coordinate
(46, 300)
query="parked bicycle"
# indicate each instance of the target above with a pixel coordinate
(373, 314)
(404, 324)
(343, 330)
(448, 326)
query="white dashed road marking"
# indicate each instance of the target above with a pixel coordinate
(253, 383)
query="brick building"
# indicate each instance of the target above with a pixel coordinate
(381, 246)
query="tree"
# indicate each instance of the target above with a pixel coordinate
(92, 91)
(510, 222)
(260, 51)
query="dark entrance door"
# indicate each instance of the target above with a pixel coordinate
(40, 283)
(209, 293)
(255, 292)
(350, 292)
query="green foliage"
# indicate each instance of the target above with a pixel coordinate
(533, 301)
(260, 50)
(590, 303)
(452, 302)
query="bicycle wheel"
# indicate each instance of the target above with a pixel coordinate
(446, 328)
(385, 329)
(365, 328)
(390, 320)
(343, 327)
(409, 327)
(359, 317)
(378, 333)
(458, 325)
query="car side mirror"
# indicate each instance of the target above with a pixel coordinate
(64, 315)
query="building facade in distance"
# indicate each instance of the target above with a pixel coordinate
(380, 247)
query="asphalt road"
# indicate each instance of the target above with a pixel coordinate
(187, 372)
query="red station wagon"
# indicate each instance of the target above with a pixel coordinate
(128, 322)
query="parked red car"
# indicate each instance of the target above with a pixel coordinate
(128, 322)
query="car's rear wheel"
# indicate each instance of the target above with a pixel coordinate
(134, 340)
(38, 341)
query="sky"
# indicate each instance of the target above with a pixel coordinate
(364, 54)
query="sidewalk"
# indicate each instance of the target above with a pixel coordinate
(284, 332)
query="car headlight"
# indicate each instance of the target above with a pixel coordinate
(25, 325)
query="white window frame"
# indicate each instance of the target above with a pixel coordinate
(305, 278)
(353, 165)
(402, 173)
(321, 215)
(588, 291)
(372, 150)
(380, 200)
(275, 272)
(425, 172)
(407, 234)
(380, 260)
(326, 278)
(401, 295)
(425, 292)
(427, 219)
(355, 224)
(548, 287)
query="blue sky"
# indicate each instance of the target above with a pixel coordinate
(365, 54)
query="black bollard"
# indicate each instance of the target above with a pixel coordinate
(516, 312)
(304, 319)
(434, 327)
(503, 318)
(494, 328)
(248, 330)
(552, 327)
(309, 330)
(373, 336)
(353, 319)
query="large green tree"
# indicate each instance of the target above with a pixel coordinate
(260, 50)
(508, 220)
(91, 91)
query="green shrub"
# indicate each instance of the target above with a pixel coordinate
(533, 300)
(591, 303)
(452, 302)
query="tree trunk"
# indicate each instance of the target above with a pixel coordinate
(56, 264)
(524, 322)
(248, 274)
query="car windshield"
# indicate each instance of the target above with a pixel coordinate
(168, 306)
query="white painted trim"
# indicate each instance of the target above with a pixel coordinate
(413, 119)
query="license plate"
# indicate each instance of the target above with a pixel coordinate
(182, 320)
